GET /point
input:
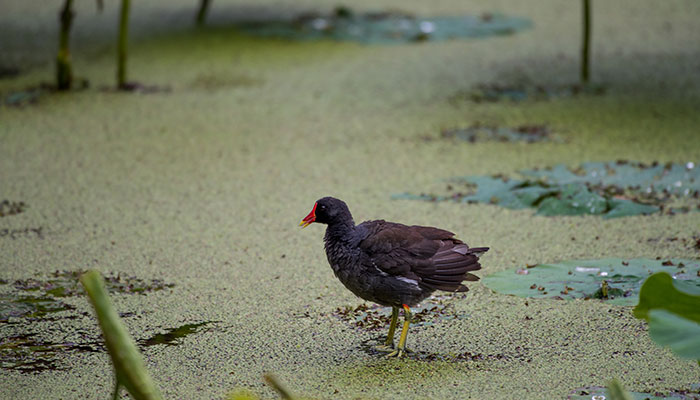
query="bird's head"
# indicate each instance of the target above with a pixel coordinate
(327, 211)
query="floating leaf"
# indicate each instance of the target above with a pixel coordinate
(612, 189)
(573, 199)
(678, 179)
(681, 335)
(661, 291)
(613, 279)
(602, 393)
(385, 27)
(672, 309)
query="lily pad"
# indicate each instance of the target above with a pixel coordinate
(385, 27)
(665, 179)
(612, 279)
(601, 393)
(610, 189)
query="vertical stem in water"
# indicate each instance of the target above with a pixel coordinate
(121, 44)
(585, 48)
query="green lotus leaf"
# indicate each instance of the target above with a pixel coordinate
(615, 280)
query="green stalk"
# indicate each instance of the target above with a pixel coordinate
(202, 13)
(121, 45)
(128, 365)
(585, 48)
(64, 70)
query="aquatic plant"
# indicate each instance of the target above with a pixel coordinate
(129, 368)
(672, 309)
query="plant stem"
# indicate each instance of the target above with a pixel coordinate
(121, 45)
(129, 367)
(203, 10)
(585, 48)
(64, 71)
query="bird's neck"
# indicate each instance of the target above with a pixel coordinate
(340, 230)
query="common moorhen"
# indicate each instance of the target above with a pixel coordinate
(393, 264)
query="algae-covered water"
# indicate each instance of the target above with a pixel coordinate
(201, 186)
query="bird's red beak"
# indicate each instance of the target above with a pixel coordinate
(309, 218)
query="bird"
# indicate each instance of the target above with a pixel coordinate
(392, 264)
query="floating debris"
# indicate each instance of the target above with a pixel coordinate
(482, 133)
(41, 298)
(8, 207)
(65, 284)
(495, 92)
(26, 353)
(518, 354)
(37, 298)
(373, 317)
(174, 336)
(385, 27)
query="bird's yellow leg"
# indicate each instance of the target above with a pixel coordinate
(389, 343)
(401, 349)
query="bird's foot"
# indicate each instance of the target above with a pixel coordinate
(398, 353)
(385, 348)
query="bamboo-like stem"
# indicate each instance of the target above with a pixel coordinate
(122, 44)
(281, 390)
(128, 365)
(203, 11)
(64, 70)
(585, 48)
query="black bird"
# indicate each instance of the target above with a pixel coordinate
(393, 264)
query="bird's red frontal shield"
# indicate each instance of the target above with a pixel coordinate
(309, 218)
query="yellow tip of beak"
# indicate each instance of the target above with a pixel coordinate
(304, 224)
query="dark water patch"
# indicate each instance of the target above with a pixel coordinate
(496, 92)
(484, 133)
(374, 317)
(25, 353)
(174, 336)
(601, 393)
(8, 207)
(611, 279)
(385, 27)
(610, 189)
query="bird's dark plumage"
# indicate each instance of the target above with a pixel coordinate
(393, 264)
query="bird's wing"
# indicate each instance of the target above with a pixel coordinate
(431, 256)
